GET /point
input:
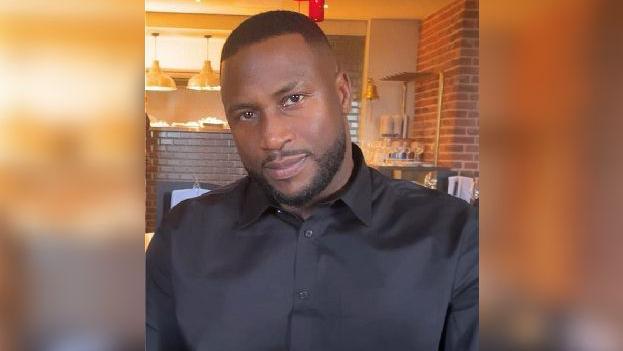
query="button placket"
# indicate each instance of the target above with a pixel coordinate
(303, 294)
(305, 265)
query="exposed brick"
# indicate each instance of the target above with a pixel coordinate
(181, 156)
(450, 148)
(470, 14)
(472, 148)
(471, 4)
(454, 113)
(455, 156)
(457, 140)
(458, 122)
(471, 174)
(473, 131)
(456, 97)
(451, 131)
(451, 164)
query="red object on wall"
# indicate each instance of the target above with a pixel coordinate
(316, 10)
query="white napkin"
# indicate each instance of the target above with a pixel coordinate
(462, 187)
(180, 195)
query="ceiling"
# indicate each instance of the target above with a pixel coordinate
(337, 9)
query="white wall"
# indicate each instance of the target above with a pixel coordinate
(392, 49)
(183, 52)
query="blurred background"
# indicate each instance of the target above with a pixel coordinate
(551, 229)
(71, 175)
(75, 141)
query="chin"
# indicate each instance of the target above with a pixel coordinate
(290, 188)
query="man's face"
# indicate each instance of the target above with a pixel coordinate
(285, 102)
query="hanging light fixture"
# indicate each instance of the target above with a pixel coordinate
(155, 79)
(371, 91)
(207, 79)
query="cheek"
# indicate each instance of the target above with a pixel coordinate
(321, 128)
(248, 149)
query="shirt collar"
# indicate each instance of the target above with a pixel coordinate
(357, 194)
(254, 203)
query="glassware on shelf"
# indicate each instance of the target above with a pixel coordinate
(394, 152)
(403, 152)
(430, 180)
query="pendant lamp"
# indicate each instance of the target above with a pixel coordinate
(371, 93)
(155, 79)
(207, 79)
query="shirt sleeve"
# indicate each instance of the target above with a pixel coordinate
(161, 329)
(461, 327)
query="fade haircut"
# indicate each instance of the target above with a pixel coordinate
(271, 24)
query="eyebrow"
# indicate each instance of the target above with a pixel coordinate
(286, 88)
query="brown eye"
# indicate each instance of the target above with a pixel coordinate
(292, 99)
(248, 115)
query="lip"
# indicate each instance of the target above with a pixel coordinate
(286, 167)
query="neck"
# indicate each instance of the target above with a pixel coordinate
(337, 183)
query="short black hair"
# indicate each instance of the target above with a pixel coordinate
(271, 24)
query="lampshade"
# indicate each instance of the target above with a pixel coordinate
(207, 79)
(156, 80)
(371, 92)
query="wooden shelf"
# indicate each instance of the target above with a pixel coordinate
(405, 78)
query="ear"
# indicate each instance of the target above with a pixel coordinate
(344, 91)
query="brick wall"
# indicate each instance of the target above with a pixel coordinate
(449, 43)
(182, 155)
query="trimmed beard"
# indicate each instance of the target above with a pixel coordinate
(328, 165)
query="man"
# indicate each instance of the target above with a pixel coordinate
(313, 250)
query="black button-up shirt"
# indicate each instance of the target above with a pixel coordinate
(385, 265)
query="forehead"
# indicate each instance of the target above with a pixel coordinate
(271, 62)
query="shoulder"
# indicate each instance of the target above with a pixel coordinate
(449, 223)
(421, 204)
(412, 193)
(220, 201)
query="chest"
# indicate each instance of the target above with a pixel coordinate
(321, 281)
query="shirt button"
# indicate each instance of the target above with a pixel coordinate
(309, 233)
(303, 294)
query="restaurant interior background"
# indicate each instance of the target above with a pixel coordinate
(414, 70)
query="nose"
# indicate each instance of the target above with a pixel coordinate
(276, 131)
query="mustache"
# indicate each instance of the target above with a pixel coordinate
(275, 155)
